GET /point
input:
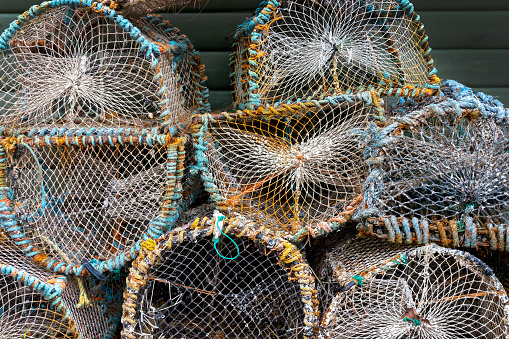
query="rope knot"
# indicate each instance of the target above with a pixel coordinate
(149, 245)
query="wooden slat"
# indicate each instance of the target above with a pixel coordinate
(476, 68)
(220, 100)
(18, 6)
(467, 30)
(447, 30)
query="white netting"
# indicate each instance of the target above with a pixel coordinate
(310, 48)
(74, 67)
(296, 169)
(24, 313)
(183, 70)
(134, 8)
(87, 202)
(190, 292)
(447, 167)
(428, 292)
(100, 318)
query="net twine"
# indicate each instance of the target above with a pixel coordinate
(454, 149)
(295, 50)
(201, 231)
(31, 301)
(118, 198)
(425, 292)
(286, 167)
(137, 8)
(96, 71)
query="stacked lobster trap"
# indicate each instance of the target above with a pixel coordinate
(109, 152)
(92, 154)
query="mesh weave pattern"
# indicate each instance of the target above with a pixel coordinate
(296, 168)
(101, 317)
(25, 310)
(191, 292)
(428, 292)
(308, 49)
(447, 168)
(134, 8)
(75, 66)
(89, 202)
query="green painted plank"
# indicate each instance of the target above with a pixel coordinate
(16, 6)
(476, 68)
(467, 30)
(447, 30)
(220, 100)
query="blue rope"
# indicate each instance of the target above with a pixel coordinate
(216, 240)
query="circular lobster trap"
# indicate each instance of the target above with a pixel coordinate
(77, 65)
(30, 299)
(37, 304)
(425, 292)
(77, 204)
(197, 283)
(291, 168)
(137, 8)
(307, 49)
(439, 175)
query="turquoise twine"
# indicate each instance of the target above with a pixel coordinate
(216, 240)
(39, 169)
(414, 322)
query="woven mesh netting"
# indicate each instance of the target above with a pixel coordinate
(427, 292)
(335, 270)
(91, 203)
(308, 49)
(445, 170)
(185, 68)
(184, 288)
(30, 306)
(301, 166)
(98, 315)
(84, 66)
(135, 8)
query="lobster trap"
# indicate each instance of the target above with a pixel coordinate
(88, 202)
(77, 65)
(196, 283)
(30, 302)
(440, 175)
(295, 50)
(291, 167)
(95, 307)
(424, 292)
(36, 304)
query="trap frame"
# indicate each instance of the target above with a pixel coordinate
(185, 285)
(30, 299)
(73, 201)
(424, 292)
(37, 304)
(79, 65)
(292, 50)
(137, 8)
(438, 176)
(297, 169)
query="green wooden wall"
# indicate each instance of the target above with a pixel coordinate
(470, 39)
